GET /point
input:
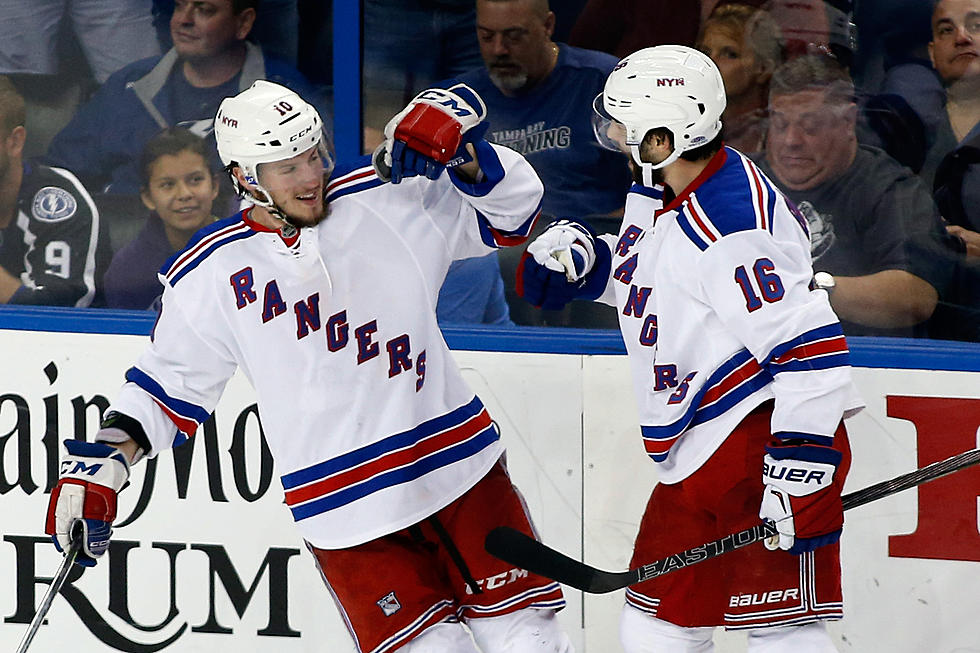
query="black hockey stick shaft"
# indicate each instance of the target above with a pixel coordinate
(519, 549)
(56, 584)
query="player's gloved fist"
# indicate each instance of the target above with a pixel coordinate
(92, 474)
(556, 267)
(431, 133)
(802, 494)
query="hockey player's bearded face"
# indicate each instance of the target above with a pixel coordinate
(296, 186)
(649, 155)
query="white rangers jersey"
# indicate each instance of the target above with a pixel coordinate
(367, 415)
(717, 313)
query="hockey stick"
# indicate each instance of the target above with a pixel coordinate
(527, 553)
(56, 583)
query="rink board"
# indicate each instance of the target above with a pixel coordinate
(208, 560)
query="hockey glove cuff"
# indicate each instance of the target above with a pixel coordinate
(567, 261)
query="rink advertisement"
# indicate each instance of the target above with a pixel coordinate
(205, 557)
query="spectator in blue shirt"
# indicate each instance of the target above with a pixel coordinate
(539, 96)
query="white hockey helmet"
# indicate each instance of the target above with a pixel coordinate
(670, 86)
(265, 123)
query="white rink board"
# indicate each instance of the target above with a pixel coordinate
(581, 489)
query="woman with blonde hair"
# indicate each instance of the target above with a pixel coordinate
(744, 42)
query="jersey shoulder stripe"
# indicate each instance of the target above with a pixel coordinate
(203, 244)
(185, 415)
(738, 197)
(397, 459)
(352, 178)
(734, 380)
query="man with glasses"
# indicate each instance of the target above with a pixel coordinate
(874, 229)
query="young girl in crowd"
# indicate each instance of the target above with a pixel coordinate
(179, 189)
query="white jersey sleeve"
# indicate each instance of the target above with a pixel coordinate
(498, 211)
(177, 381)
(760, 289)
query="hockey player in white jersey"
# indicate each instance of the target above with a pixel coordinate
(740, 367)
(324, 294)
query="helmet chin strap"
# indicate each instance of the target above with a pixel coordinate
(288, 229)
(647, 168)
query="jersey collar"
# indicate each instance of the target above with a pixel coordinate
(255, 226)
(714, 165)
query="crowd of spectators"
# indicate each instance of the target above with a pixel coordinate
(867, 117)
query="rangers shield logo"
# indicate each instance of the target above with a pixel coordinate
(389, 604)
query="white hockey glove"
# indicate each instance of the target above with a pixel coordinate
(557, 265)
(802, 494)
(567, 247)
(92, 474)
(431, 133)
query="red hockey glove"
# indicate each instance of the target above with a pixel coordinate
(431, 133)
(801, 494)
(92, 474)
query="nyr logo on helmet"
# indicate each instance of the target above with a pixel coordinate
(670, 81)
(53, 204)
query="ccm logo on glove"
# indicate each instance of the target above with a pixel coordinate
(442, 98)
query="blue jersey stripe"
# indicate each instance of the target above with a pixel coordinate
(493, 237)
(355, 188)
(646, 191)
(684, 221)
(732, 397)
(398, 476)
(207, 252)
(820, 333)
(378, 449)
(821, 363)
(180, 407)
(198, 237)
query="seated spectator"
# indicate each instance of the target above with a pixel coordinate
(873, 224)
(744, 42)
(955, 55)
(210, 60)
(946, 98)
(276, 26)
(539, 102)
(178, 189)
(53, 250)
(111, 33)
